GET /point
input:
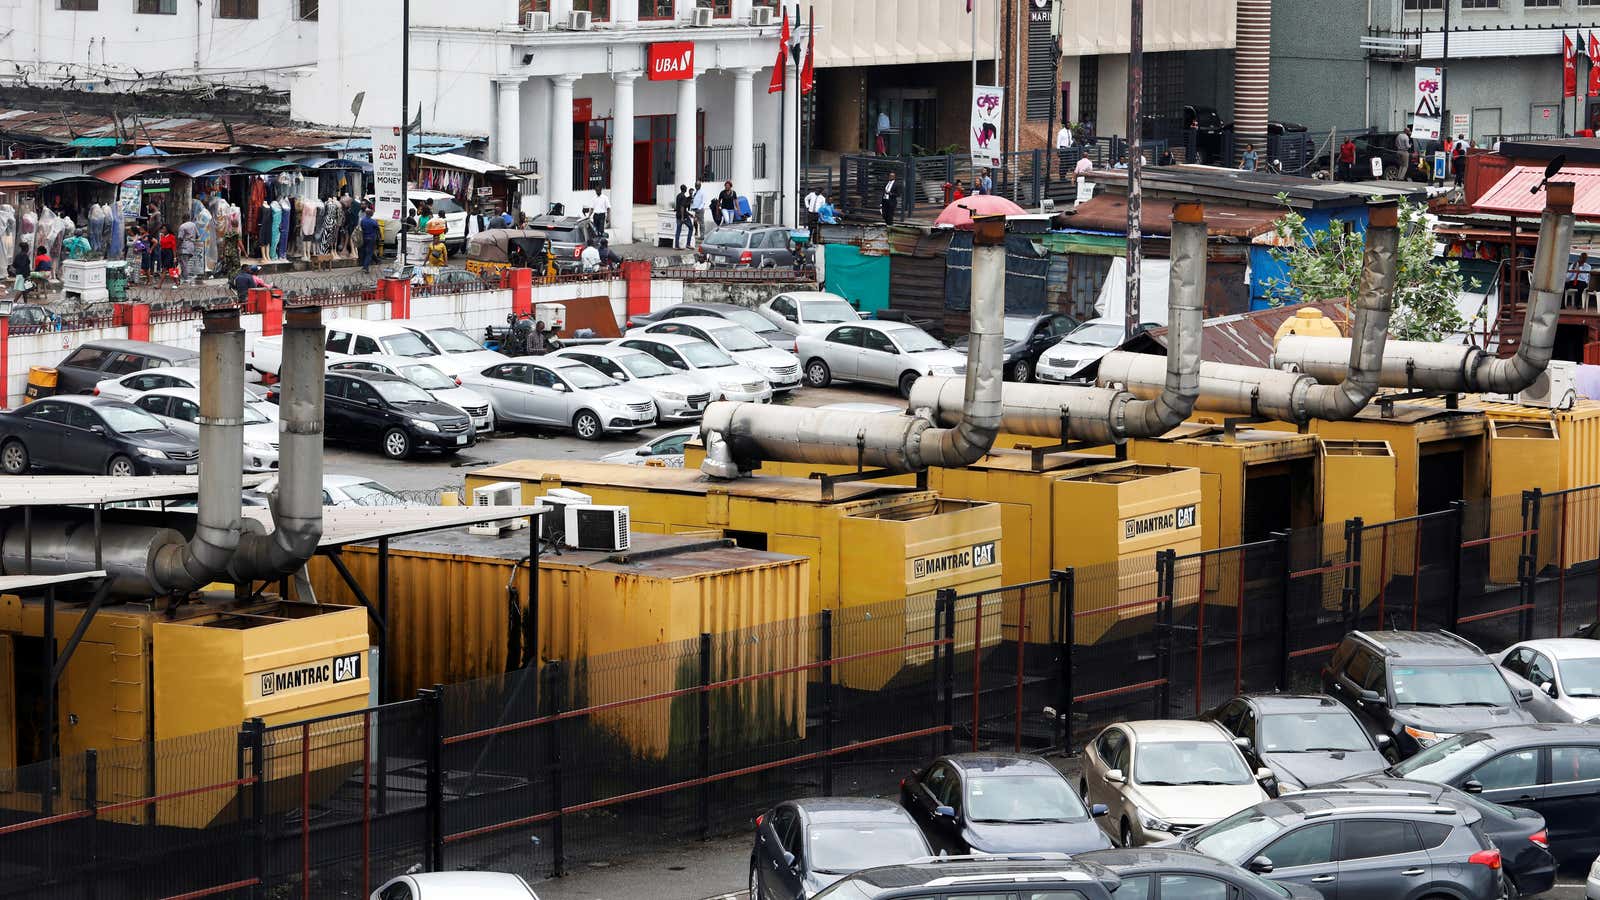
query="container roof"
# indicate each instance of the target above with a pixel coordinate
(651, 555)
(16, 584)
(684, 481)
(81, 490)
(348, 525)
(1109, 213)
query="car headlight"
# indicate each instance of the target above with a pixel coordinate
(151, 453)
(258, 446)
(424, 424)
(673, 396)
(1286, 786)
(941, 370)
(613, 404)
(1425, 738)
(1151, 823)
(736, 386)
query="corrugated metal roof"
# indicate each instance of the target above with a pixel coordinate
(68, 490)
(12, 584)
(1493, 42)
(348, 525)
(458, 161)
(1257, 187)
(1515, 193)
(61, 126)
(1109, 213)
(1246, 339)
(911, 240)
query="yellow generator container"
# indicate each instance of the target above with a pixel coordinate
(1358, 481)
(1552, 450)
(139, 677)
(1439, 453)
(694, 453)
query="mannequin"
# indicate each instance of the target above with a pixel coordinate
(264, 231)
(281, 223)
(334, 223)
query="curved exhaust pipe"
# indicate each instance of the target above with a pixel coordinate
(1463, 369)
(739, 436)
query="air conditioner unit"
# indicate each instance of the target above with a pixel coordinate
(500, 493)
(538, 20)
(555, 521)
(761, 16)
(597, 527)
(1555, 388)
(578, 20)
(702, 17)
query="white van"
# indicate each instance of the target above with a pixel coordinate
(455, 218)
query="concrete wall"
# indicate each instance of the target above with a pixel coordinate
(897, 32)
(1318, 66)
(1517, 86)
(1095, 26)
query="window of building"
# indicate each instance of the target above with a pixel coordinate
(528, 6)
(1088, 89)
(156, 7)
(307, 11)
(1589, 2)
(1547, 4)
(1416, 5)
(655, 10)
(1480, 4)
(78, 5)
(720, 9)
(598, 10)
(238, 9)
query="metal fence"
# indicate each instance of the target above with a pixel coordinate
(718, 164)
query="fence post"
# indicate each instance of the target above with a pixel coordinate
(91, 802)
(1528, 565)
(977, 666)
(947, 598)
(1066, 586)
(555, 692)
(1286, 591)
(433, 858)
(1351, 602)
(1166, 561)
(1038, 179)
(254, 737)
(1458, 531)
(826, 640)
(705, 735)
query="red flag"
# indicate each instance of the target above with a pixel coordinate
(1594, 66)
(1569, 67)
(808, 74)
(778, 70)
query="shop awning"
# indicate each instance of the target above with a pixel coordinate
(121, 172)
(17, 184)
(269, 165)
(457, 161)
(1516, 192)
(56, 176)
(332, 162)
(95, 142)
(195, 168)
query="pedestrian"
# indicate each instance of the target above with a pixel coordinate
(812, 199)
(728, 200)
(985, 184)
(1247, 162)
(1458, 159)
(1347, 159)
(1166, 158)
(602, 207)
(1084, 167)
(826, 213)
(167, 257)
(145, 247)
(1402, 146)
(891, 199)
(189, 248)
(152, 220)
(42, 263)
(589, 259)
(700, 205)
(959, 192)
(882, 141)
(244, 281)
(1063, 148)
(683, 215)
(609, 258)
(1577, 275)
(516, 256)
(76, 246)
(369, 238)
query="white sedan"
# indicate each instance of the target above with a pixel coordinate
(179, 409)
(1080, 347)
(345, 490)
(721, 374)
(808, 312)
(458, 351)
(129, 387)
(679, 397)
(563, 393)
(424, 375)
(665, 451)
(894, 354)
(780, 368)
(1567, 669)
(455, 886)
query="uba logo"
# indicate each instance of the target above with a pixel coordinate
(672, 62)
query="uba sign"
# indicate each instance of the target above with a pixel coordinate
(672, 62)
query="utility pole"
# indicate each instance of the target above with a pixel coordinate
(1444, 80)
(1135, 161)
(405, 122)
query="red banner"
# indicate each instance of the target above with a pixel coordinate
(672, 61)
(776, 84)
(1594, 70)
(1569, 67)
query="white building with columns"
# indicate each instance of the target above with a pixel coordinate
(636, 104)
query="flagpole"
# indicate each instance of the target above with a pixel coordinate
(405, 121)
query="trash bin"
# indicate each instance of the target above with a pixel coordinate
(41, 383)
(117, 280)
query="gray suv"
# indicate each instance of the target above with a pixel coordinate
(748, 245)
(1041, 876)
(1360, 846)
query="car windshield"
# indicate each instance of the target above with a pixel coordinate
(750, 319)
(737, 338)
(371, 493)
(581, 376)
(407, 344)
(642, 365)
(915, 340)
(1017, 329)
(254, 393)
(1096, 334)
(1309, 732)
(1233, 837)
(401, 392)
(1189, 762)
(129, 419)
(828, 312)
(702, 355)
(1449, 686)
(428, 378)
(841, 848)
(1581, 677)
(726, 239)
(253, 416)
(1023, 798)
(452, 340)
(1446, 759)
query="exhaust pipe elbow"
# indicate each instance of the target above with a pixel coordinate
(1186, 322)
(1512, 375)
(1374, 303)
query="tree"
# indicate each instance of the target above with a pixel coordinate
(1326, 264)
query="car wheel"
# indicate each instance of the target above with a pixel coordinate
(396, 444)
(1508, 887)
(1391, 173)
(755, 882)
(818, 374)
(120, 466)
(1127, 834)
(1021, 371)
(906, 382)
(14, 458)
(586, 425)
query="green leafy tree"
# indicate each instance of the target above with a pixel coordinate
(1326, 265)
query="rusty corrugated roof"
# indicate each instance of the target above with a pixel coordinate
(1246, 339)
(1109, 212)
(185, 133)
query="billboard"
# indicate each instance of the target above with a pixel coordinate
(988, 104)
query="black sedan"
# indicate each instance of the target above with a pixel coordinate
(1168, 873)
(1000, 803)
(93, 436)
(363, 408)
(803, 846)
(1303, 738)
(1026, 338)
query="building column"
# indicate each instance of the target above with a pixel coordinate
(744, 149)
(621, 223)
(686, 144)
(508, 122)
(560, 184)
(536, 138)
(790, 176)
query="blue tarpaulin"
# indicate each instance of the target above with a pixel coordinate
(1026, 266)
(863, 280)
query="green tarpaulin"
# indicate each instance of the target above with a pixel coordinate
(863, 280)
(95, 142)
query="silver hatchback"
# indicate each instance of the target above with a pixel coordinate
(563, 393)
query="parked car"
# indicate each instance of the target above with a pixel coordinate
(455, 886)
(344, 490)
(1421, 687)
(1567, 670)
(1026, 338)
(733, 312)
(665, 451)
(568, 235)
(129, 387)
(454, 275)
(748, 245)
(93, 436)
(780, 368)
(1524, 844)
(347, 338)
(1591, 888)
(999, 803)
(96, 361)
(31, 318)
(719, 373)
(1165, 778)
(179, 410)
(894, 354)
(803, 846)
(1039, 876)
(563, 393)
(363, 408)
(1168, 873)
(679, 397)
(1396, 167)
(1069, 359)
(1552, 769)
(445, 205)
(457, 351)
(808, 312)
(1358, 846)
(1303, 738)
(424, 375)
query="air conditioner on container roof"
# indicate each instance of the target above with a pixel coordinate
(1555, 388)
(500, 493)
(597, 528)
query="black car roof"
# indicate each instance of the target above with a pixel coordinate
(1540, 734)
(1438, 647)
(971, 873)
(997, 763)
(851, 809)
(1319, 805)
(1288, 703)
(146, 348)
(1133, 860)
(365, 375)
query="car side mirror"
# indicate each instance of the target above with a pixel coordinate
(97, 429)
(1115, 776)
(1473, 787)
(1524, 695)
(1243, 743)
(1550, 689)
(944, 812)
(1099, 810)
(374, 402)
(788, 860)
(560, 388)
(1264, 774)
(1261, 865)
(1384, 740)
(1369, 696)
(642, 451)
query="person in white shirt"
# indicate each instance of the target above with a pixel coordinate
(891, 200)
(589, 260)
(813, 200)
(1063, 147)
(602, 207)
(701, 207)
(1084, 167)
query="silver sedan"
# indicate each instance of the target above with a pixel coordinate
(894, 354)
(563, 393)
(679, 397)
